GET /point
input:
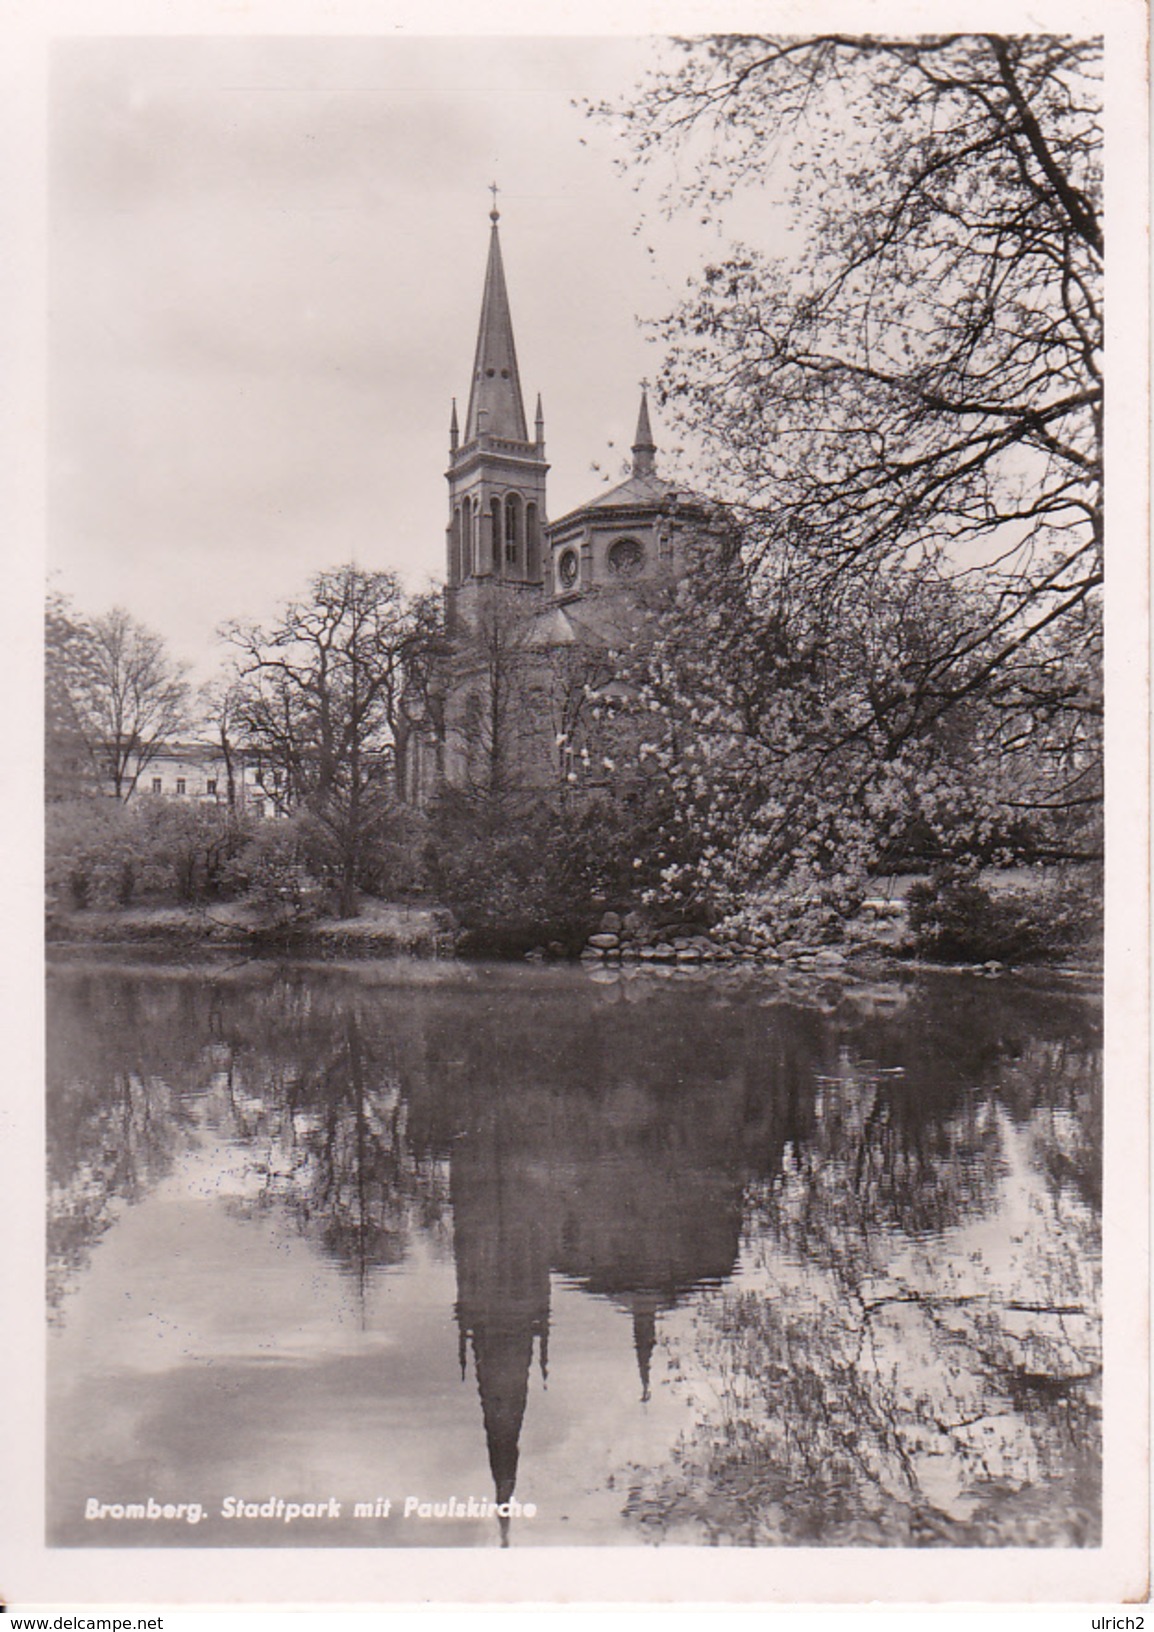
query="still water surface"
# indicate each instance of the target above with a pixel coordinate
(689, 1259)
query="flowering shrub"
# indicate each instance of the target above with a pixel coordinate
(807, 743)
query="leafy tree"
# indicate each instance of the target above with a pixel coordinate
(111, 687)
(110, 854)
(90, 856)
(545, 876)
(917, 388)
(319, 703)
(69, 770)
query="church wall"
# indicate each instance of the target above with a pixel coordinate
(602, 549)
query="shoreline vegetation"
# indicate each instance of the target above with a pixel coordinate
(908, 923)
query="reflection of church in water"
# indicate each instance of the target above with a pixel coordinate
(629, 1188)
(627, 1210)
(628, 1221)
(555, 595)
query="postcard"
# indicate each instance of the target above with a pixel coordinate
(590, 1044)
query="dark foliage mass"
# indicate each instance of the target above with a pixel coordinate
(955, 918)
(540, 874)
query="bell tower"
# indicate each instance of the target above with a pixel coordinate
(496, 473)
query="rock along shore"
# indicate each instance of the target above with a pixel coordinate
(878, 930)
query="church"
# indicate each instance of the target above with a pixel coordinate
(536, 611)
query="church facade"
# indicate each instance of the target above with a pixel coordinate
(536, 610)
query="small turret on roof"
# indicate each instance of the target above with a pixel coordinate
(644, 447)
(643, 488)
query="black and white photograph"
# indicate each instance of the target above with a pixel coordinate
(593, 1035)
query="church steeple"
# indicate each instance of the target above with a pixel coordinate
(495, 405)
(496, 473)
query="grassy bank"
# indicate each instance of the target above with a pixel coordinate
(381, 928)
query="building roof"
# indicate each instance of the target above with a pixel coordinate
(495, 404)
(637, 493)
(643, 488)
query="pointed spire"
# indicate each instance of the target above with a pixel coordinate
(454, 429)
(644, 447)
(540, 424)
(495, 404)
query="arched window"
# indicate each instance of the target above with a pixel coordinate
(512, 529)
(466, 541)
(532, 544)
(456, 557)
(495, 512)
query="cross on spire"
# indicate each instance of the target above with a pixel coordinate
(494, 213)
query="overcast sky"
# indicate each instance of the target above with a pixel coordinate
(266, 260)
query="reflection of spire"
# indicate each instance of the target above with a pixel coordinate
(503, 1359)
(644, 1336)
(502, 1288)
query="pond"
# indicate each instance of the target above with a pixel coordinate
(433, 1254)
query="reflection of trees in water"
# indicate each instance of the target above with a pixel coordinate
(1054, 1089)
(905, 1376)
(117, 1115)
(331, 1145)
(130, 1127)
(894, 1378)
(298, 1073)
(892, 1165)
